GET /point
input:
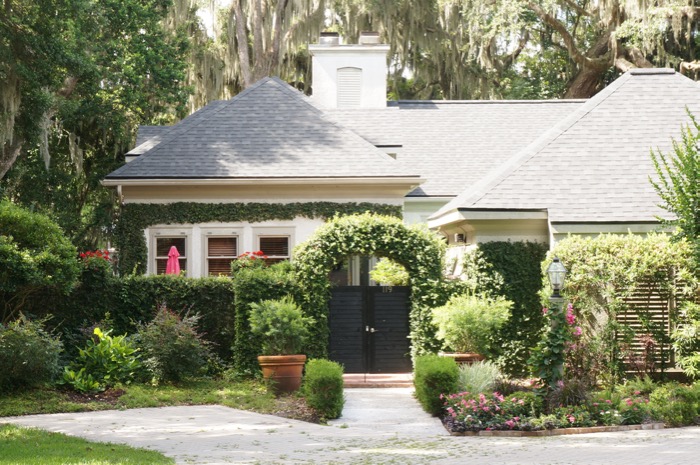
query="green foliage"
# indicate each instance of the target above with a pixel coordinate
(686, 340)
(468, 323)
(34, 254)
(434, 377)
(103, 363)
(389, 273)
(511, 270)
(676, 404)
(254, 285)
(478, 377)
(678, 186)
(605, 271)
(323, 387)
(134, 218)
(29, 356)
(281, 325)
(549, 356)
(420, 251)
(171, 348)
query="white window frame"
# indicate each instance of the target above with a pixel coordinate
(260, 232)
(219, 232)
(165, 233)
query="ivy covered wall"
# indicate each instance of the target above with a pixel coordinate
(134, 218)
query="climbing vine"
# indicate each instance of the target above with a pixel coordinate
(134, 218)
(419, 250)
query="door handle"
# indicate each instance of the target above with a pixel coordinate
(370, 330)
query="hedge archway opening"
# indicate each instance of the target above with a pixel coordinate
(419, 250)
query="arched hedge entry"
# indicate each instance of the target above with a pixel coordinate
(419, 250)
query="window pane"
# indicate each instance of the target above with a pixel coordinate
(163, 245)
(162, 263)
(220, 266)
(223, 247)
(275, 246)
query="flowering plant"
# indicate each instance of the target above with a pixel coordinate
(476, 412)
(249, 260)
(99, 254)
(547, 360)
(96, 261)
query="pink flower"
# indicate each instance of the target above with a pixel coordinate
(571, 418)
(578, 331)
(570, 317)
(544, 310)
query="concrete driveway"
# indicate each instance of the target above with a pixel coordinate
(379, 426)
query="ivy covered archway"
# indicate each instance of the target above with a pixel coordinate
(419, 250)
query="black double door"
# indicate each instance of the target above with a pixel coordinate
(369, 329)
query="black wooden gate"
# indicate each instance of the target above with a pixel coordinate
(369, 329)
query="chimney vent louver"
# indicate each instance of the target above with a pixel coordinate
(369, 38)
(329, 38)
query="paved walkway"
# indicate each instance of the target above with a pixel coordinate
(379, 426)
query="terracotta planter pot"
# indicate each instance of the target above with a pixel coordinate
(284, 370)
(464, 358)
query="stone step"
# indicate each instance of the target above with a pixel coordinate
(377, 380)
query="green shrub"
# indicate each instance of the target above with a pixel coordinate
(103, 363)
(171, 347)
(34, 253)
(468, 323)
(433, 377)
(675, 404)
(389, 273)
(686, 340)
(323, 387)
(281, 324)
(478, 377)
(29, 355)
(511, 270)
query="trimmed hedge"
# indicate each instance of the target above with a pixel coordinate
(253, 285)
(121, 303)
(512, 270)
(323, 387)
(434, 375)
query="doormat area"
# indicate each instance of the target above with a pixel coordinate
(560, 431)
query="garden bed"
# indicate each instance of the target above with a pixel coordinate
(556, 431)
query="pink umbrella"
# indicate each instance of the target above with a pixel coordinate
(173, 265)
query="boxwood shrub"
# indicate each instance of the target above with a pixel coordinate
(323, 387)
(434, 375)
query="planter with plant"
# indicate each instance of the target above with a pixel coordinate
(283, 330)
(467, 325)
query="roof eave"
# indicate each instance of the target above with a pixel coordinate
(393, 180)
(482, 214)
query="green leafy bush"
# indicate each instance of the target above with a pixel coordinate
(29, 355)
(389, 273)
(675, 404)
(104, 362)
(478, 377)
(434, 377)
(281, 324)
(468, 323)
(34, 254)
(171, 348)
(323, 387)
(686, 340)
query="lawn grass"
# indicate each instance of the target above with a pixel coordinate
(20, 445)
(244, 395)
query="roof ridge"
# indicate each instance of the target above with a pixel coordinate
(478, 190)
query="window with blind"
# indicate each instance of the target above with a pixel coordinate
(221, 251)
(275, 247)
(163, 245)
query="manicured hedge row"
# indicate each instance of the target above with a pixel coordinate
(323, 387)
(434, 375)
(126, 301)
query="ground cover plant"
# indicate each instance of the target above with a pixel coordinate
(29, 445)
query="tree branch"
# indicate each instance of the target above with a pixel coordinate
(242, 39)
(9, 154)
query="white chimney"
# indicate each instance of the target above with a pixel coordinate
(349, 76)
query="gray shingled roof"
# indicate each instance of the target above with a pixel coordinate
(269, 130)
(594, 166)
(453, 144)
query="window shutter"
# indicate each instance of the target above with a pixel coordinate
(349, 87)
(223, 247)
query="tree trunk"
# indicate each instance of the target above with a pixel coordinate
(9, 155)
